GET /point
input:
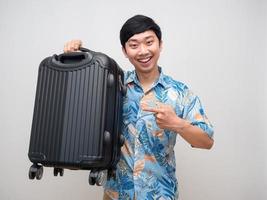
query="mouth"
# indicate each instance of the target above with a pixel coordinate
(145, 60)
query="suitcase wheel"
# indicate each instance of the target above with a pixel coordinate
(92, 177)
(59, 171)
(98, 177)
(101, 177)
(36, 171)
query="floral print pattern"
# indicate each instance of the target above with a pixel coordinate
(146, 169)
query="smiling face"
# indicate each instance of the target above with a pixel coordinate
(143, 50)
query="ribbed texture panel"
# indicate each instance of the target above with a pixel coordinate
(69, 115)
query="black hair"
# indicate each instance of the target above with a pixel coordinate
(138, 24)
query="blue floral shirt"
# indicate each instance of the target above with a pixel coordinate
(146, 169)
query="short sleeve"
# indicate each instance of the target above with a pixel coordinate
(193, 111)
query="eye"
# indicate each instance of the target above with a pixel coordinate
(149, 42)
(133, 46)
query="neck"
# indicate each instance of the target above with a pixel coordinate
(147, 79)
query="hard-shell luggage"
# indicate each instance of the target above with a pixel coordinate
(77, 114)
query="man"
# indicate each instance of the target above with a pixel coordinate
(155, 109)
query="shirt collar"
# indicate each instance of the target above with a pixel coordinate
(132, 77)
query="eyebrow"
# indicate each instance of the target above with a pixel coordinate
(136, 40)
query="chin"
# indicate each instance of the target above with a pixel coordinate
(145, 69)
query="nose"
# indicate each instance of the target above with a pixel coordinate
(143, 49)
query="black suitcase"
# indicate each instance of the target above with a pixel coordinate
(77, 115)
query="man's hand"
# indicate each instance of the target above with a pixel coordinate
(166, 118)
(73, 45)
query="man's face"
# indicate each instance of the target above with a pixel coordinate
(143, 51)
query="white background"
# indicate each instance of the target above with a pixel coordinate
(218, 48)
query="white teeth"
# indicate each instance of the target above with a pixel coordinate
(144, 60)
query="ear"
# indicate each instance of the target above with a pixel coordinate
(124, 52)
(160, 45)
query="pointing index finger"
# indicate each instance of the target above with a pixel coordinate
(149, 109)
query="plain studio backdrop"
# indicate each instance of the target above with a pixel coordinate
(217, 47)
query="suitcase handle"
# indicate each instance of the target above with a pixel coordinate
(83, 49)
(72, 58)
